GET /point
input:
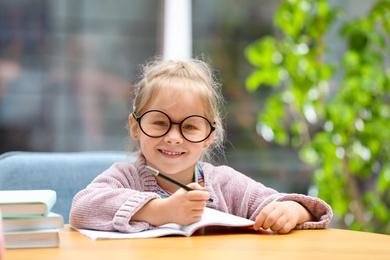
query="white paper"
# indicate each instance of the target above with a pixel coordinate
(210, 217)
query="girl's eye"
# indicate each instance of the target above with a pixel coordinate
(161, 123)
(189, 127)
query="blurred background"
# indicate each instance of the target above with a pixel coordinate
(66, 68)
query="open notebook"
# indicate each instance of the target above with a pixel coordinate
(210, 217)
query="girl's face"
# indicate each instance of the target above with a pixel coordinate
(171, 154)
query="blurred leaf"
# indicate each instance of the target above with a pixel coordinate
(290, 16)
(340, 114)
(351, 59)
(260, 53)
(383, 182)
(309, 155)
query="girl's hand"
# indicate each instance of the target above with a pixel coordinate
(186, 207)
(282, 217)
(183, 207)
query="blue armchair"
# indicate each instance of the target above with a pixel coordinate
(66, 173)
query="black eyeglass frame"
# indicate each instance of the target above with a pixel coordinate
(138, 119)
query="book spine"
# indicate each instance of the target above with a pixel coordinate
(2, 242)
(51, 203)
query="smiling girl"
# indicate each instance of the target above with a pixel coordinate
(177, 125)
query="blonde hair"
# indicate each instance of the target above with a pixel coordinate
(192, 75)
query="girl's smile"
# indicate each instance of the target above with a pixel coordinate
(171, 153)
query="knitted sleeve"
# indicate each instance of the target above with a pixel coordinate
(109, 202)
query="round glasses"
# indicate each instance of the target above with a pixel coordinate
(155, 123)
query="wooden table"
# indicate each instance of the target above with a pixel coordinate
(220, 244)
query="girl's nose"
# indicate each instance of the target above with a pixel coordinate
(174, 135)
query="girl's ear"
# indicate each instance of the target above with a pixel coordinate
(208, 141)
(134, 127)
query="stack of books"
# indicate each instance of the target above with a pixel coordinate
(27, 218)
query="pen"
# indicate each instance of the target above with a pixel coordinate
(157, 173)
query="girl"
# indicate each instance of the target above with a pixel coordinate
(177, 125)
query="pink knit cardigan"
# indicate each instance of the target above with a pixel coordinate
(109, 202)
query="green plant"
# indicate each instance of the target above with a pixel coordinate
(337, 115)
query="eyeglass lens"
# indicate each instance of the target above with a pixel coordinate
(193, 128)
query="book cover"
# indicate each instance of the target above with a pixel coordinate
(32, 239)
(51, 221)
(210, 217)
(17, 203)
